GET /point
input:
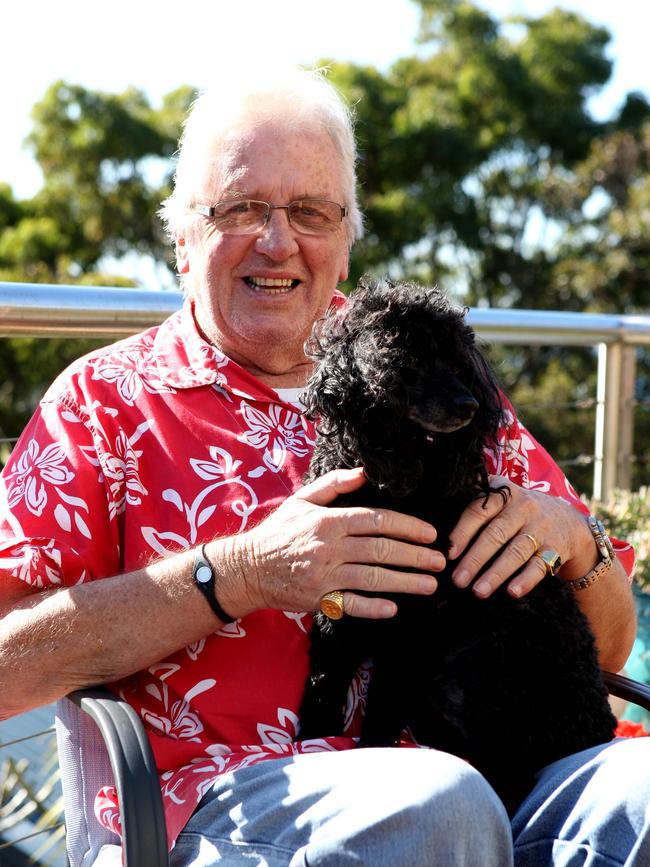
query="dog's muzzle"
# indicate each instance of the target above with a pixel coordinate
(332, 605)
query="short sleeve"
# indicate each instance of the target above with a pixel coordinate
(55, 527)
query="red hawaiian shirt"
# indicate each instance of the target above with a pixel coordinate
(154, 445)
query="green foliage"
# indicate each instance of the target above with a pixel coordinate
(472, 153)
(481, 169)
(604, 260)
(105, 163)
(552, 394)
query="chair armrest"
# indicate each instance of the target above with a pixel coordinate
(628, 689)
(144, 830)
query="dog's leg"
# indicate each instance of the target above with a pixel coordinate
(390, 696)
(334, 662)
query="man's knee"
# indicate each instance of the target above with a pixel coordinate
(434, 804)
(455, 805)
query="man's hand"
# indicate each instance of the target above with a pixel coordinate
(306, 549)
(512, 529)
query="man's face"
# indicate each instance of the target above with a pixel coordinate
(256, 296)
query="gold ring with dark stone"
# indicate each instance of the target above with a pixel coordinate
(552, 561)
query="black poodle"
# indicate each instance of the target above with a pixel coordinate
(402, 390)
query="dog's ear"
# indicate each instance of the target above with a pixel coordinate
(373, 361)
(486, 383)
(482, 434)
(333, 395)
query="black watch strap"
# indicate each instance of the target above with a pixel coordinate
(203, 577)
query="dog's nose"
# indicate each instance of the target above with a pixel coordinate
(465, 405)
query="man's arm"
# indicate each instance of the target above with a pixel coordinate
(54, 641)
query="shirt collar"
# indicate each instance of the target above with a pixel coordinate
(185, 360)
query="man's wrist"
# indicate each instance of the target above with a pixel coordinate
(204, 577)
(598, 564)
(229, 570)
(606, 556)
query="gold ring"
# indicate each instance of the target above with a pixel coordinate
(533, 540)
(552, 561)
(332, 605)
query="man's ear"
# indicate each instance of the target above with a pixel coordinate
(182, 256)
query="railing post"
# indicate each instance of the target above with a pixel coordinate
(614, 418)
(626, 418)
(599, 432)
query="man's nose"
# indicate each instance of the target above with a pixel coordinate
(277, 239)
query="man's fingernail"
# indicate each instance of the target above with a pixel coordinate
(482, 588)
(461, 579)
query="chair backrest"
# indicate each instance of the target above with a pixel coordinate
(102, 738)
(85, 768)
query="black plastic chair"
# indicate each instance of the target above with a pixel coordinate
(627, 689)
(100, 735)
(116, 734)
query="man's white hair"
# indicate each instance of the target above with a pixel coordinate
(302, 99)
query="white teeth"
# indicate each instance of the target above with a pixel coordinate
(278, 282)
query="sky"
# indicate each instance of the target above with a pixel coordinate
(160, 45)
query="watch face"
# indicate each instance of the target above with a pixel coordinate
(203, 574)
(605, 540)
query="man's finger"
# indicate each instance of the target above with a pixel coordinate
(384, 522)
(325, 489)
(479, 513)
(392, 552)
(372, 608)
(380, 580)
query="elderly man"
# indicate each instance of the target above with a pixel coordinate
(169, 466)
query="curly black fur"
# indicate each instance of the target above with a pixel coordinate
(402, 390)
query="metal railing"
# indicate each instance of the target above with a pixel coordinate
(56, 311)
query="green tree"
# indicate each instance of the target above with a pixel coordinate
(464, 148)
(481, 166)
(481, 169)
(105, 164)
(98, 154)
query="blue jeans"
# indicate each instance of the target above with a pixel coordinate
(410, 808)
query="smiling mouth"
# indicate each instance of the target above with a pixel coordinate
(271, 285)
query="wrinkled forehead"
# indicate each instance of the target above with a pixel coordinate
(222, 163)
(265, 160)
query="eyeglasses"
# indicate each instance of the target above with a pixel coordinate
(248, 216)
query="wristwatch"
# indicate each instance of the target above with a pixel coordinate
(204, 578)
(607, 555)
